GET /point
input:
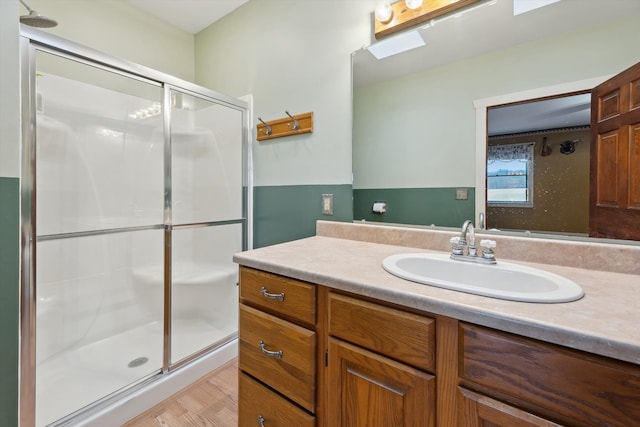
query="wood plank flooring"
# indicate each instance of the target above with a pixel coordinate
(212, 401)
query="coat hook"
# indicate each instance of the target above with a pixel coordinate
(262, 131)
(296, 124)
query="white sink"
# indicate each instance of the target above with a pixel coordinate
(501, 280)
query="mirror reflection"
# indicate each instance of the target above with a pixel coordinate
(416, 114)
(538, 165)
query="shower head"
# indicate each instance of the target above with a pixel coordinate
(34, 19)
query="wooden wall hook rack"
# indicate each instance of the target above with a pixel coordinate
(286, 126)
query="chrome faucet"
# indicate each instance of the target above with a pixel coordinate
(460, 244)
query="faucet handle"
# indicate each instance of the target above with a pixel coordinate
(457, 246)
(488, 245)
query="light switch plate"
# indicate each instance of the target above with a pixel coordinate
(462, 194)
(327, 204)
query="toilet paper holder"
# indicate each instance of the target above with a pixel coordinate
(379, 207)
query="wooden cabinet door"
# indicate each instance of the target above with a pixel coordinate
(614, 207)
(476, 410)
(369, 390)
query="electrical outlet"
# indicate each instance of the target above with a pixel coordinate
(327, 204)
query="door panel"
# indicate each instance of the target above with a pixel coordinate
(634, 167)
(608, 147)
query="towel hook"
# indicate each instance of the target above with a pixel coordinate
(262, 131)
(296, 124)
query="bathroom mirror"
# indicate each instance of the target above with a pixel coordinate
(417, 142)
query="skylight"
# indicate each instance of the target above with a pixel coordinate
(523, 6)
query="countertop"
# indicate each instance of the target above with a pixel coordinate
(606, 321)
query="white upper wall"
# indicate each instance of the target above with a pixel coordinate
(119, 29)
(295, 56)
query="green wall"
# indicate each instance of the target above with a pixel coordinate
(420, 206)
(290, 212)
(9, 294)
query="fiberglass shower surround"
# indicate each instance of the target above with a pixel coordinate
(130, 210)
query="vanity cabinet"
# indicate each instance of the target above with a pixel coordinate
(278, 342)
(378, 363)
(315, 356)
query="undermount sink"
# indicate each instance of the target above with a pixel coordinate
(502, 280)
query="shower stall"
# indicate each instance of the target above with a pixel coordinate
(135, 190)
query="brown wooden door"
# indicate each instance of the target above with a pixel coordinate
(615, 157)
(369, 390)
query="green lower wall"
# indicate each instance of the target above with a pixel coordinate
(290, 212)
(420, 206)
(9, 299)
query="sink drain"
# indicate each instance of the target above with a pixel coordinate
(139, 361)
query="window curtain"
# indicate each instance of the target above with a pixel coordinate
(509, 152)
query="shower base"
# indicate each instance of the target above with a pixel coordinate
(82, 376)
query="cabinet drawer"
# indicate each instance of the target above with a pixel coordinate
(568, 386)
(279, 295)
(407, 337)
(293, 373)
(478, 410)
(256, 400)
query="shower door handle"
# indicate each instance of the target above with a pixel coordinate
(279, 297)
(276, 354)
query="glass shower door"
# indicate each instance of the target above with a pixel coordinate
(207, 213)
(99, 210)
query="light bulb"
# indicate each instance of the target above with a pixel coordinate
(384, 13)
(413, 4)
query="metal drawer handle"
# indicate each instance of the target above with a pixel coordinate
(279, 297)
(277, 354)
(261, 420)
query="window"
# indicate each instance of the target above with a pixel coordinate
(510, 175)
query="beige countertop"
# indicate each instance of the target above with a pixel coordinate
(605, 321)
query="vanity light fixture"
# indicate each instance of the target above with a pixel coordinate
(384, 13)
(407, 13)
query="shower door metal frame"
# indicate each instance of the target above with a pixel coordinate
(31, 41)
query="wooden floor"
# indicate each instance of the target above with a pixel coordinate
(212, 401)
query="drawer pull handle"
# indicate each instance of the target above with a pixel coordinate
(277, 354)
(279, 297)
(261, 420)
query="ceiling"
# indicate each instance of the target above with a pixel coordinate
(568, 111)
(191, 16)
